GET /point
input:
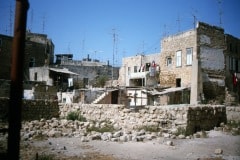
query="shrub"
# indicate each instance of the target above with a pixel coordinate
(181, 130)
(150, 128)
(44, 157)
(74, 115)
(106, 128)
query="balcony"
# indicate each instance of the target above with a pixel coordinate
(138, 75)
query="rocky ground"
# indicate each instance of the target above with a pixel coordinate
(63, 139)
(216, 146)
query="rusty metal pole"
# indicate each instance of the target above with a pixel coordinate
(16, 93)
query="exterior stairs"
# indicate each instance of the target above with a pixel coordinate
(98, 99)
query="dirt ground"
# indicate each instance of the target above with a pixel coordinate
(192, 149)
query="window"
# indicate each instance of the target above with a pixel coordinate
(32, 62)
(35, 76)
(178, 82)
(178, 58)
(169, 61)
(135, 69)
(189, 56)
(148, 65)
(129, 70)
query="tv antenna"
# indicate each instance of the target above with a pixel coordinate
(194, 18)
(43, 24)
(114, 41)
(178, 22)
(31, 20)
(220, 12)
(10, 20)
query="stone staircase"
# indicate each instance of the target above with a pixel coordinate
(98, 99)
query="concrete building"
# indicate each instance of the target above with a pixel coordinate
(89, 70)
(61, 78)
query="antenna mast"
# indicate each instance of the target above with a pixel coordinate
(220, 12)
(114, 40)
(31, 20)
(10, 20)
(194, 18)
(178, 21)
(43, 24)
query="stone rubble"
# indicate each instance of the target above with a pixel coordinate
(68, 128)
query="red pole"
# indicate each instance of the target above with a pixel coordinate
(16, 93)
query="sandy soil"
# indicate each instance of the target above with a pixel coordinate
(198, 148)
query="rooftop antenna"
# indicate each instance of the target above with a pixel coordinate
(83, 45)
(43, 24)
(31, 20)
(114, 41)
(194, 18)
(143, 45)
(116, 49)
(165, 30)
(220, 12)
(10, 20)
(178, 22)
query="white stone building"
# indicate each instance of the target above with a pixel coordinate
(140, 70)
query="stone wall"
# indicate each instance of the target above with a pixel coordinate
(32, 109)
(233, 113)
(191, 118)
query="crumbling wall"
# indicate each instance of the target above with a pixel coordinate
(192, 118)
(211, 44)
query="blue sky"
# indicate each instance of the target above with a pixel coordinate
(84, 27)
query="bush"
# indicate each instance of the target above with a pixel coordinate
(44, 157)
(106, 128)
(151, 128)
(74, 115)
(181, 130)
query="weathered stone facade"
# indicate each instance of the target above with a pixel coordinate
(200, 59)
(170, 71)
(211, 45)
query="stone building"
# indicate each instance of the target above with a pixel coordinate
(39, 51)
(232, 61)
(202, 59)
(201, 65)
(140, 70)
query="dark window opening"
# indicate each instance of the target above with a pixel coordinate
(236, 65)
(85, 82)
(148, 66)
(178, 82)
(35, 76)
(135, 69)
(169, 61)
(230, 47)
(32, 62)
